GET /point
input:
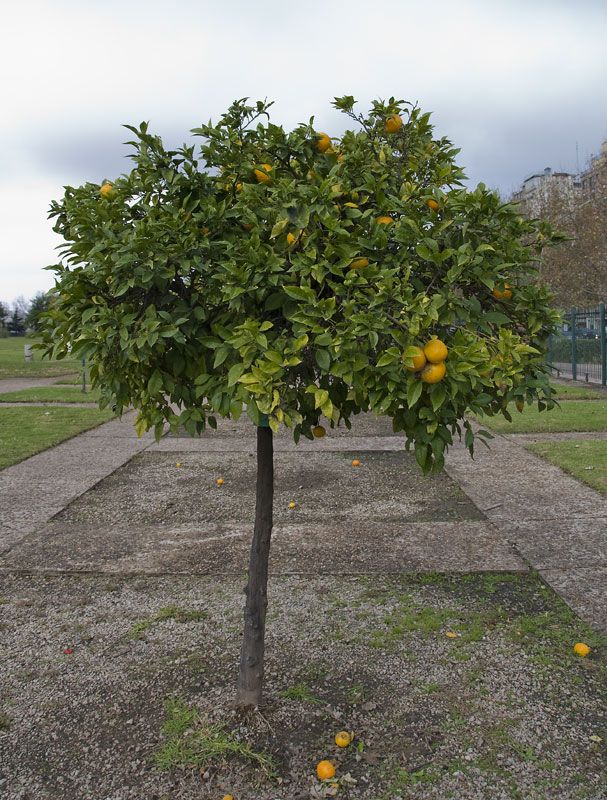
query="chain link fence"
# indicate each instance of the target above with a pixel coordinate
(579, 349)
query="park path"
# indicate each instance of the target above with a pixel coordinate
(16, 384)
(535, 516)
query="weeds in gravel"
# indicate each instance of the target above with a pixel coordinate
(301, 692)
(193, 742)
(169, 612)
(5, 722)
(355, 694)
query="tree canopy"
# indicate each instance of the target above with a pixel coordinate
(296, 275)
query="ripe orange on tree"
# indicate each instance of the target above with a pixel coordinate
(107, 190)
(436, 351)
(503, 294)
(434, 373)
(323, 142)
(432, 204)
(384, 220)
(418, 359)
(262, 173)
(393, 124)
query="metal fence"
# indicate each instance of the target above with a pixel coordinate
(579, 349)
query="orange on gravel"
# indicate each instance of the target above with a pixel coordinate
(419, 361)
(228, 797)
(359, 263)
(219, 481)
(451, 635)
(432, 204)
(178, 464)
(384, 220)
(319, 431)
(504, 294)
(262, 173)
(325, 770)
(356, 463)
(433, 373)
(107, 190)
(581, 649)
(323, 142)
(393, 124)
(435, 351)
(343, 739)
(292, 504)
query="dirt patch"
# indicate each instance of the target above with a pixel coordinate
(503, 709)
(387, 486)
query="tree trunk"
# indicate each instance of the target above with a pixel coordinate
(250, 676)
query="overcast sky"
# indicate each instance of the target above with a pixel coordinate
(517, 84)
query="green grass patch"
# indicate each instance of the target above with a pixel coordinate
(193, 742)
(585, 459)
(50, 394)
(300, 692)
(169, 612)
(74, 380)
(29, 430)
(573, 415)
(13, 364)
(577, 391)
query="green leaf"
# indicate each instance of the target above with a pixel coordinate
(498, 317)
(220, 355)
(278, 228)
(234, 373)
(414, 391)
(323, 359)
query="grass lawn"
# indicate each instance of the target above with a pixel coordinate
(573, 415)
(13, 365)
(50, 394)
(576, 458)
(75, 380)
(25, 431)
(578, 391)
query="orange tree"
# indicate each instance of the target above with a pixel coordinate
(301, 277)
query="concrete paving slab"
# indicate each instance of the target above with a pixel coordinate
(584, 589)
(348, 548)
(219, 444)
(560, 544)
(15, 384)
(509, 483)
(41, 486)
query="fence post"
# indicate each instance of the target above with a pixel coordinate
(603, 334)
(573, 314)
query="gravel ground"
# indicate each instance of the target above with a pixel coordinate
(502, 710)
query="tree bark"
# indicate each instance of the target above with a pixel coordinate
(250, 676)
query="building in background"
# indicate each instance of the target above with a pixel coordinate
(593, 180)
(539, 191)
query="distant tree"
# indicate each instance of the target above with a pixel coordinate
(16, 323)
(576, 268)
(4, 313)
(38, 305)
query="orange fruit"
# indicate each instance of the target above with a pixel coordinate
(178, 464)
(325, 770)
(343, 739)
(107, 190)
(319, 431)
(384, 220)
(219, 481)
(359, 263)
(239, 187)
(503, 294)
(432, 204)
(323, 142)
(393, 124)
(262, 173)
(228, 797)
(292, 504)
(291, 239)
(434, 373)
(581, 649)
(356, 463)
(419, 361)
(435, 351)
(248, 226)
